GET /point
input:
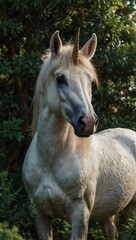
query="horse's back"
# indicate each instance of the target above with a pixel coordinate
(122, 133)
(117, 140)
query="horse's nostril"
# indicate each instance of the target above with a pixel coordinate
(81, 122)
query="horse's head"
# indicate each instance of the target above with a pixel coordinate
(69, 88)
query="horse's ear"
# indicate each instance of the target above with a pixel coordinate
(88, 50)
(55, 44)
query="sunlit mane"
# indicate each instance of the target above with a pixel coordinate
(49, 66)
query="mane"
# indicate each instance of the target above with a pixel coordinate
(50, 65)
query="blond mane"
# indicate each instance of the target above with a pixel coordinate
(49, 66)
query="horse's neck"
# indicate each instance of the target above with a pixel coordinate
(56, 135)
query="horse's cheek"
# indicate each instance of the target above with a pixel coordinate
(52, 99)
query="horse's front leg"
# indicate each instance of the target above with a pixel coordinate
(79, 221)
(43, 226)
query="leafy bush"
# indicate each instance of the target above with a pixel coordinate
(7, 198)
(7, 233)
(95, 231)
(15, 207)
(129, 232)
(61, 230)
(11, 129)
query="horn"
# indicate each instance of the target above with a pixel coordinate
(75, 53)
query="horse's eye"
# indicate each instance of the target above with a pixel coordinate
(61, 80)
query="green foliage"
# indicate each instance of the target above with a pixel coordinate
(61, 230)
(96, 232)
(7, 198)
(14, 209)
(7, 233)
(130, 229)
(11, 129)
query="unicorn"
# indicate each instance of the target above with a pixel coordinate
(70, 172)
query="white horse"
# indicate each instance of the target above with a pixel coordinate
(70, 172)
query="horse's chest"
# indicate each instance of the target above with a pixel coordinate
(49, 197)
(59, 188)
